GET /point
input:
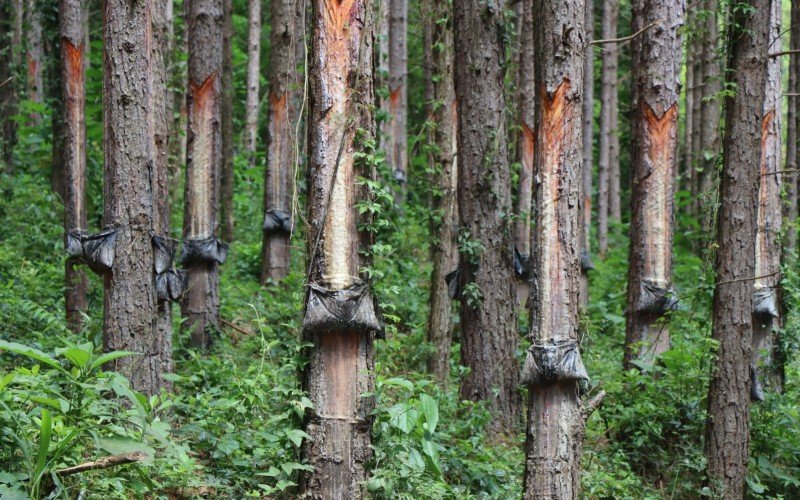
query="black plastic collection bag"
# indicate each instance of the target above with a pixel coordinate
(164, 253)
(765, 303)
(520, 264)
(586, 261)
(756, 388)
(277, 221)
(204, 250)
(170, 285)
(73, 243)
(551, 362)
(453, 289)
(655, 298)
(99, 251)
(334, 311)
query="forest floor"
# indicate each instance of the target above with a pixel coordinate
(233, 425)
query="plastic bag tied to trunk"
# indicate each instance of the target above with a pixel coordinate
(73, 243)
(277, 221)
(170, 283)
(204, 250)
(765, 304)
(656, 298)
(347, 310)
(99, 251)
(553, 361)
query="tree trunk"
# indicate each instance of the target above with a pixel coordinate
(279, 180)
(74, 150)
(227, 178)
(253, 78)
(710, 113)
(34, 56)
(588, 153)
(8, 91)
(396, 142)
(657, 86)
(697, 98)
(341, 360)
(161, 107)
(608, 106)
(792, 130)
(553, 367)
(766, 311)
(203, 161)
(486, 277)
(727, 432)
(129, 315)
(442, 160)
(688, 89)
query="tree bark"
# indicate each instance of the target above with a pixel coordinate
(200, 304)
(227, 178)
(697, 98)
(279, 180)
(727, 432)
(443, 113)
(129, 315)
(341, 361)
(793, 129)
(657, 85)
(766, 313)
(710, 114)
(253, 78)
(396, 140)
(34, 56)
(588, 154)
(608, 110)
(688, 89)
(73, 93)
(555, 419)
(486, 277)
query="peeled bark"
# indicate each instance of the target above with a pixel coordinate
(253, 78)
(656, 75)
(486, 277)
(396, 141)
(341, 360)
(588, 152)
(727, 426)
(553, 366)
(793, 129)
(227, 176)
(129, 315)
(200, 304)
(766, 311)
(279, 180)
(73, 150)
(710, 114)
(608, 111)
(442, 112)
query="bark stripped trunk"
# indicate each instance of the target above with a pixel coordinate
(161, 107)
(253, 78)
(74, 150)
(341, 361)
(396, 141)
(129, 315)
(442, 112)
(279, 180)
(200, 304)
(766, 303)
(727, 432)
(34, 56)
(656, 76)
(793, 129)
(608, 112)
(486, 277)
(226, 110)
(553, 367)
(586, 173)
(710, 114)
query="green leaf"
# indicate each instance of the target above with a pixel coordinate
(30, 352)
(399, 382)
(296, 436)
(430, 409)
(44, 443)
(77, 356)
(111, 356)
(6, 380)
(403, 417)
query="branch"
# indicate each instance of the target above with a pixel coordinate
(788, 171)
(784, 53)
(626, 38)
(6, 81)
(593, 403)
(237, 328)
(104, 463)
(747, 279)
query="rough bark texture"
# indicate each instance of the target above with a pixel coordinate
(588, 151)
(793, 129)
(526, 94)
(34, 55)
(442, 160)
(710, 114)
(253, 78)
(227, 175)
(396, 141)
(608, 112)
(768, 235)
(727, 432)
(341, 363)
(486, 279)
(697, 98)
(656, 84)
(73, 150)
(8, 93)
(161, 107)
(555, 420)
(279, 180)
(129, 315)
(687, 170)
(204, 19)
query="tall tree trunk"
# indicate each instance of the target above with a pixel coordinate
(227, 178)
(161, 107)
(657, 85)
(279, 180)
(608, 106)
(588, 153)
(129, 315)
(253, 78)
(202, 251)
(793, 130)
(727, 432)
(766, 306)
(553, 366)
(486, 277)
(710, 114)
(341, 361)
(442, 112)
(73, 98)
(34, 55)
(697, 101)
(9, 68)
(396, 142)
(688, 116)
